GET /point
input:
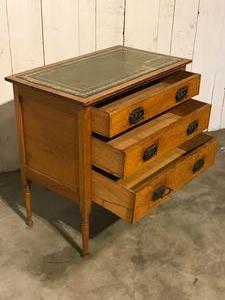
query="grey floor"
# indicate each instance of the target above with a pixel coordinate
(176, 253)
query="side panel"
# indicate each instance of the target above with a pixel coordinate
(50, 128)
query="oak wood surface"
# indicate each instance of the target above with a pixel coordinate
(57, 149)
(113, 118)
(50, 136)
(84, 168)
(131, 198)
(123, 155)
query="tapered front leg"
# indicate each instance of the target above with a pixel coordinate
(84, 142)
(26, 183)
(27, 191)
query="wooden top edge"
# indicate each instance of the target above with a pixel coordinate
(90, 100)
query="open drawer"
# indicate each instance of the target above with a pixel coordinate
(131, 151)
(133, 197)
(110, 119)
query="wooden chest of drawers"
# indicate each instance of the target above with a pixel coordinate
(118, 127)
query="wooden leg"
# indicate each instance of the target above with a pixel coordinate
(84, 142)
(27, 191)
(85, 235)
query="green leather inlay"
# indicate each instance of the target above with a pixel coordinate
(88, 75)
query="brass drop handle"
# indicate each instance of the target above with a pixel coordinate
(150, 152)
(160, 192)
(199, 164)
(136, 115)
(192, 127)
(181, 93)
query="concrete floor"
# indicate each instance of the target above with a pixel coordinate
(176, 253)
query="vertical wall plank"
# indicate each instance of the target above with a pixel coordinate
(184, 28)
(8, 139)
(71, 27)
(87, 26)
(142, 24)
(109, 23)
(165, 25)
(207, 44)
(5, 58)
(60, 29)
(25, 29)
(222, 124)
(218, 95)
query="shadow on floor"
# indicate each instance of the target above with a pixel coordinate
(53, 208)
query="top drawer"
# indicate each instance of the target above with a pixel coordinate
(111, 119)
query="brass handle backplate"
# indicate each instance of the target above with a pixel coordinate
(150, 152)
(198, 165)
(136, 115)
(181, 93)
(160, 192)
(192, 127)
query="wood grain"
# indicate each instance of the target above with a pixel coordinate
(58, 32)
(113, 118)
(86, 25)
(184, 28)
(137, 26)
(131, 199)
(166, 132)
(25, 25)
(84, 169)
(212, 14)
(109, 23)
(50, 133)
(165, 25)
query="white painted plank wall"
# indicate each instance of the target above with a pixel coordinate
(109, 23)
(35, 32)
(87, 33)
(25, 48)
(165, 25)
(25, 34)
(206, 59)
(219, 87)
(141, 24)
(60, 29)
(193, 29)
(5, 56)
(184, 28)
(5, 90)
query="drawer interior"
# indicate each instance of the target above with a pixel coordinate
(125, 154)
(131, 198)
(117, 115)
(113, 104)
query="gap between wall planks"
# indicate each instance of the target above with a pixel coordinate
(37, 32)
(8, 141)
(45, 31)
(167, 26)
(192, 29)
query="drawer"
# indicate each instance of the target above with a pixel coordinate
(131, 151)
(110, 119)
(132, 198)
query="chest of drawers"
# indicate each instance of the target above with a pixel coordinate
(118, 127)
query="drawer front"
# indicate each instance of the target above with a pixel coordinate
(116, 117)
(132, 199)
(141, 146)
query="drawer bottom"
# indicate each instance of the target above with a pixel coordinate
(133, 197)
